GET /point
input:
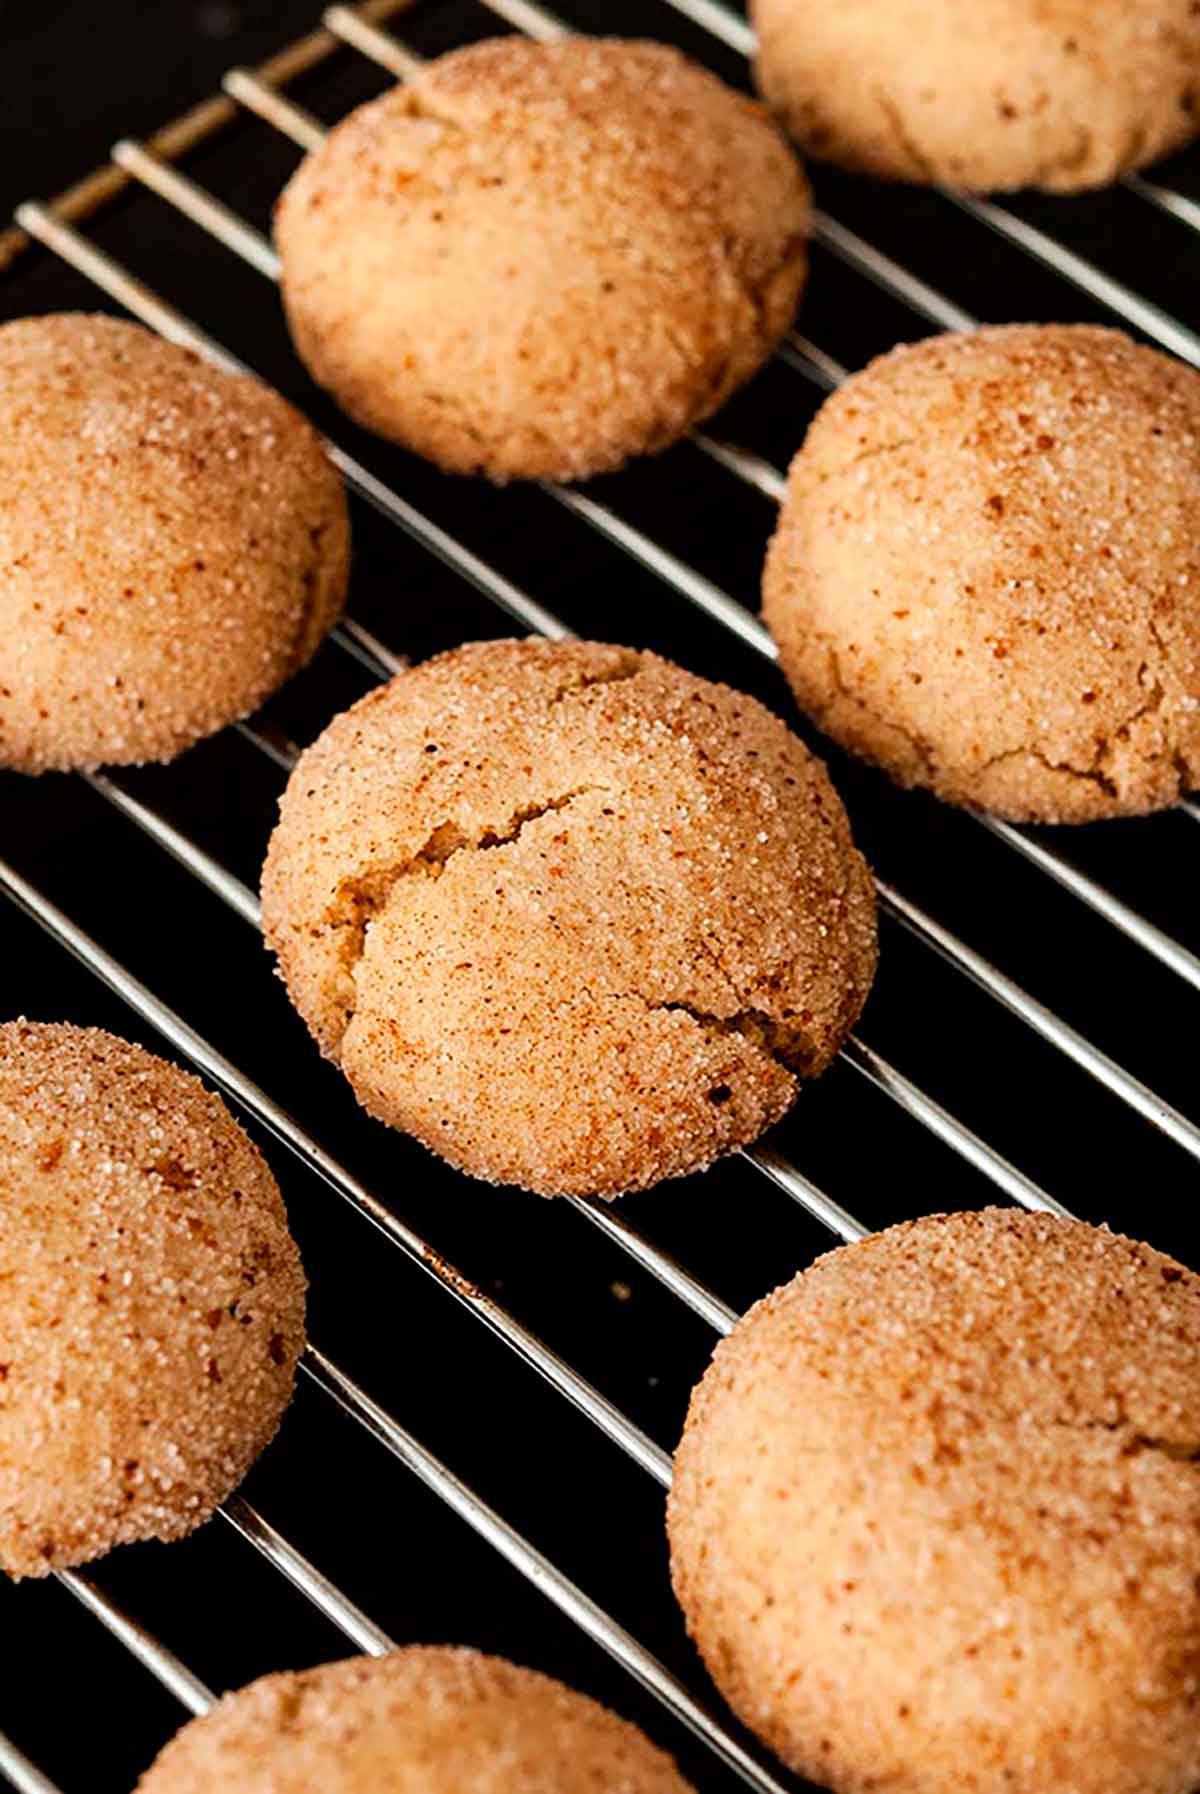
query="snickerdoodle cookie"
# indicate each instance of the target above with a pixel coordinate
(986, 573)
(536, 260)
(575, 918)
(173, 544)
(425, 1720)
(935, 1522)
(152, 1306)
(984, 95)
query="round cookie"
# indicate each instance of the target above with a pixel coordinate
(173, 544)
(984, 96)
(425, 1720)
(986, 572)
(935, 1520)
(573, 917)
(536, 260)
(153, 1307)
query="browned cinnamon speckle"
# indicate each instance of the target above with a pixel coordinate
(426, 1720)
(150, 1324)
(986, 573)
(536, 260)
(986, 94)
(575, 918)
(935, 1522)
(173, 544)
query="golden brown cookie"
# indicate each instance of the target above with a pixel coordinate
(575, 918)
(431, 1719)
(986, 573)
(935, 1522)
(536, 260)
(152, 1305)
(425, 1720)
(984, 95)
(173, 544)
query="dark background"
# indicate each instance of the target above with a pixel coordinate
(80, 73)
(75, 78)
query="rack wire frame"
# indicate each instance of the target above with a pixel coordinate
(153, 166)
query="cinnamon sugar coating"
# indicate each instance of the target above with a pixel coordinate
(575, 918)
(935, 1522)
(536, 260)
(986, 571)
(173, 544)
(424, 1720)
(984, 95)
(153, 1299)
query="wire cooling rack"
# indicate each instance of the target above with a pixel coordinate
(963, 1087)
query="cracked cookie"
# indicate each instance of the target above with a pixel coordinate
(574, 918)
(153, 1308)
(173, 544)
(988, 95)
(429, 1719)
(935, 1520)
(986, 572)
(534, 261)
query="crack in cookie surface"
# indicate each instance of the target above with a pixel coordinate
(776, 1038)
(360, 899)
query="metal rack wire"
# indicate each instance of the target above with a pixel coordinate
(358, 29)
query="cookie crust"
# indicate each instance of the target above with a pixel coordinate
(575, 918)
(173, 544)
(424, 1720)
(934, 1521)
(998, 94)
(534, 261)
(153, 1309)
(985, 574)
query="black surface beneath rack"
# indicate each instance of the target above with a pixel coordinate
(394, 1548)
